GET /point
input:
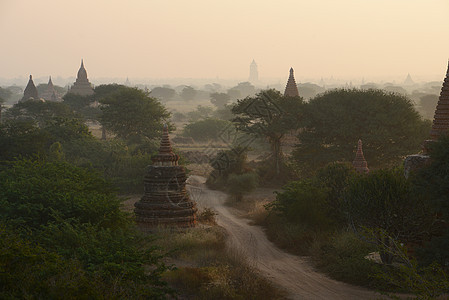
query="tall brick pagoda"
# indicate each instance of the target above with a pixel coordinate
(291, 89)
(82, 85)
(441, 119)
(165, 202)
(30, 91)
(440, 126)
(359, 163)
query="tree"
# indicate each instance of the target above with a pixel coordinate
(39, 111)
(383, 201)
(428, 105)
(387, 123)
(163, 93)
(201, 113)
(5, 94)
(241, 184)
(205, 130)
(188, 93)
(271, 116)
(131, 113)
(219, 99)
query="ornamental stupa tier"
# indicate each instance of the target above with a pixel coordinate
(291, 89)
(441, 119)
(165, 202)
(359, 163)
(30, 91)
(82, 85)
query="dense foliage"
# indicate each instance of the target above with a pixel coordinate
(387, 123)
(271, 116)
(132, 115)
(70, 234)
(206, 130)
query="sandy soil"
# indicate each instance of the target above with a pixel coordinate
(294, 274)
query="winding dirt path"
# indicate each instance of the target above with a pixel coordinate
(293, 273)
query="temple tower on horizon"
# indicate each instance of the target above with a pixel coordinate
(165, 202)
(30, 91)
(359, 163)
(253, 72)
(82, 85)
(291, 89)
(50, 93)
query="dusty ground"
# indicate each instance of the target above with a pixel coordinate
(295, 274)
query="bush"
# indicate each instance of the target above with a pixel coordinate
(239, 185)
(205, 130)
(75, 218)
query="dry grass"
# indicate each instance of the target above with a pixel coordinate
(207, 269)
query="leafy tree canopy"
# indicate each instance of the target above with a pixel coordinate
(219, 99)
(205, 130)
(130, 113)
(269, 115)
(387, 123)
(39, 111)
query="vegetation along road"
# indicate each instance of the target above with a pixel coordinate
(293, 273)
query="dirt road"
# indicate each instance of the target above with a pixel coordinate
(295, 274)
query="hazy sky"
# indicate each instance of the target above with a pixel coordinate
(208, 39)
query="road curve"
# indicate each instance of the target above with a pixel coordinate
(293, 273)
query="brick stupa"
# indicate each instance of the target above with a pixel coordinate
(291, 89)
(30, 91)
(440, 126)
(82, 85)
(359, 163)
(441, 119)
(165, 202)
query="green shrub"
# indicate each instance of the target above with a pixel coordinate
(205, 130)
(241, 184)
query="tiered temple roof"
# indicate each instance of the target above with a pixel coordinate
(82, 85)
(165, 201)
(441, 119)
(291, 89)
(30, 91)
(50, 93)
(359, 163)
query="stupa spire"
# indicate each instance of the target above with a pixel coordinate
(291, 89)
(165, 201)
(82, 85)
(359, 163)
(30, 90)
(441, 119)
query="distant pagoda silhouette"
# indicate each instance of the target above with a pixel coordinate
(408, 80)
(359, 163)
(30, 91)
(165, 202)
(291, 89)
(50, 93)
(82, 85)
(253, 72)
(440, 124)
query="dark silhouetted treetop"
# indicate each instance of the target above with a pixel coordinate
(388, 124)
(130, 112)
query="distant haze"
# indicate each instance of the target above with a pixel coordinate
(210, 39)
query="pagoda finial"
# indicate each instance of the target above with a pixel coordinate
(165, 157)
(31, 77)
(82, 63)
(291, 89)
(359, 163)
